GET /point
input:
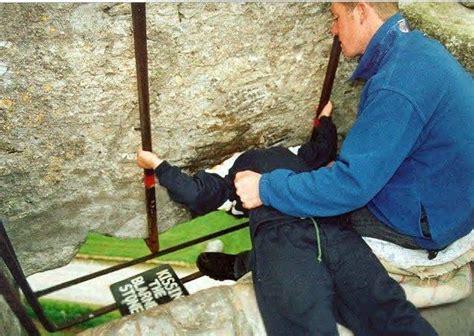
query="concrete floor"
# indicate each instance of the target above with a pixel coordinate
(455, 319)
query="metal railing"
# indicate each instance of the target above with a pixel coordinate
(14, 301)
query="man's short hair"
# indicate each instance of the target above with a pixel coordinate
(383, 9)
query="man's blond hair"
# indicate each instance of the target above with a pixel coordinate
(383, 9)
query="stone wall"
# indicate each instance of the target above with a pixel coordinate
(223, 78)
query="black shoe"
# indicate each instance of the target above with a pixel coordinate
(218, 266)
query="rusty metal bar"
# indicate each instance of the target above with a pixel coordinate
(13, 299)
(139, 260)
(9, 257)
(87, 316)
(141, 60)
(110, 308)
(191, 277)
(107, 309)
(328, 78)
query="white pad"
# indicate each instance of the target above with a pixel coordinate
(405, 258)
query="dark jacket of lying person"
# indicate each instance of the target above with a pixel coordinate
(205, 192)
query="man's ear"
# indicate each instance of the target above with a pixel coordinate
(362, 9)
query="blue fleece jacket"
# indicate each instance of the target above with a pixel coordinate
(410, 153)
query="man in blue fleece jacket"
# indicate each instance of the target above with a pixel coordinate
(408, 161)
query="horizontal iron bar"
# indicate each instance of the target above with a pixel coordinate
(86, 317)
(138, 260)
(191, 277)
(110, 308)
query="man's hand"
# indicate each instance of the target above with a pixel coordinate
(327, 110)
(147, 160)
(246, 185)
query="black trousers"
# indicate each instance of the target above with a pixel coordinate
(299, 295)
(362, 221)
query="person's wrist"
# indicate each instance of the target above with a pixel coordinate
(156, 163)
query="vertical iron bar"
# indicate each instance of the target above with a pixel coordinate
(8, 255)
(141, 59)
(13, 299)
(328, 78)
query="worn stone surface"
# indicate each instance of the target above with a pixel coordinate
(225, 310)
(224, 77)
(215, 311)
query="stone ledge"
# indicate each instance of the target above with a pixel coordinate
(224, 310)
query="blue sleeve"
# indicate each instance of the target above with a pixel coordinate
(383, 135)
(202, 193)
